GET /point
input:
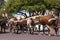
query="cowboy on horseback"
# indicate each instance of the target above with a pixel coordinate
(4, 15)
(4, 21)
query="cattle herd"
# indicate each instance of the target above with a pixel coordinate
(28, 24)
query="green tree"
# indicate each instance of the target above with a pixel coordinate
(13, 6)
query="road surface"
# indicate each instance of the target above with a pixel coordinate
(26, 36)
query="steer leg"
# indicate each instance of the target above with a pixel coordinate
(11, 29)
(18, 27)
(4, 30)
(17, 31)
(14, 29)
(1, 29)
(56, 29)
(32, 30)
(39, 28)
(43, 29)
(49, 32)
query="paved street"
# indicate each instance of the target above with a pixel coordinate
(25, 36)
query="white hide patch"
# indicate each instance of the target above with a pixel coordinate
(12, 19)
(33, 17)
(28, 21)
(22, 16)
(41, 27)
(37, 26)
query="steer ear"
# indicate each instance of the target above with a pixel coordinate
(51, 19)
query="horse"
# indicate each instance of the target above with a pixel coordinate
(48, 20)
(3, 24)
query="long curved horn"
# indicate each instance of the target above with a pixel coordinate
(51, 19)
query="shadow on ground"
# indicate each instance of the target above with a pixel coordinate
(4, 32)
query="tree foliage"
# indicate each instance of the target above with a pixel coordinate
(13, 6)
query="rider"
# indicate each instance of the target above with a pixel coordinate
(4, 15)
